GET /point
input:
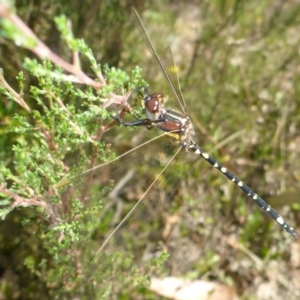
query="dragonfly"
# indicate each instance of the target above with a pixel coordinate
(176, 138)
(178, 126)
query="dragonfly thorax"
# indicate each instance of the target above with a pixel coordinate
(177, 126)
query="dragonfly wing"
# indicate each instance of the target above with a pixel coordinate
(131, 193)
(170, 72)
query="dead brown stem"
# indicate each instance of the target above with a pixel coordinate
(21, 201)
(42, 51)
(15, 96)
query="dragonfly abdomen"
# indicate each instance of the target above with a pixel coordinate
(194, 148)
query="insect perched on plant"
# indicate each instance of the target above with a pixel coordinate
(165, 151)
(178, 127)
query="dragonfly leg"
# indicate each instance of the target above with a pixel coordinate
(139, 122)
(144, 88)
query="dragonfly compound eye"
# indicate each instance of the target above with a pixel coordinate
(154, 102)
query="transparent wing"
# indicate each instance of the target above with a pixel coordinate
(172, 71)
(171, 74)
(132, 193)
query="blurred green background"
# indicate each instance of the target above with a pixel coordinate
(239, 71)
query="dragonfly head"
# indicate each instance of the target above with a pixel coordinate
(154, 105)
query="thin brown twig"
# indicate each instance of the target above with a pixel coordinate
(21, 201)
(25, 202)
(98, 136)
(117, 99)
(48, 137)
(42, 51)
(77, 76)
(62, 105)
(88, 181)
(15, 96)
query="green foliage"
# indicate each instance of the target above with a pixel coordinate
(238, 64)
(65, 122)
(67, 34)
(8, 30)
